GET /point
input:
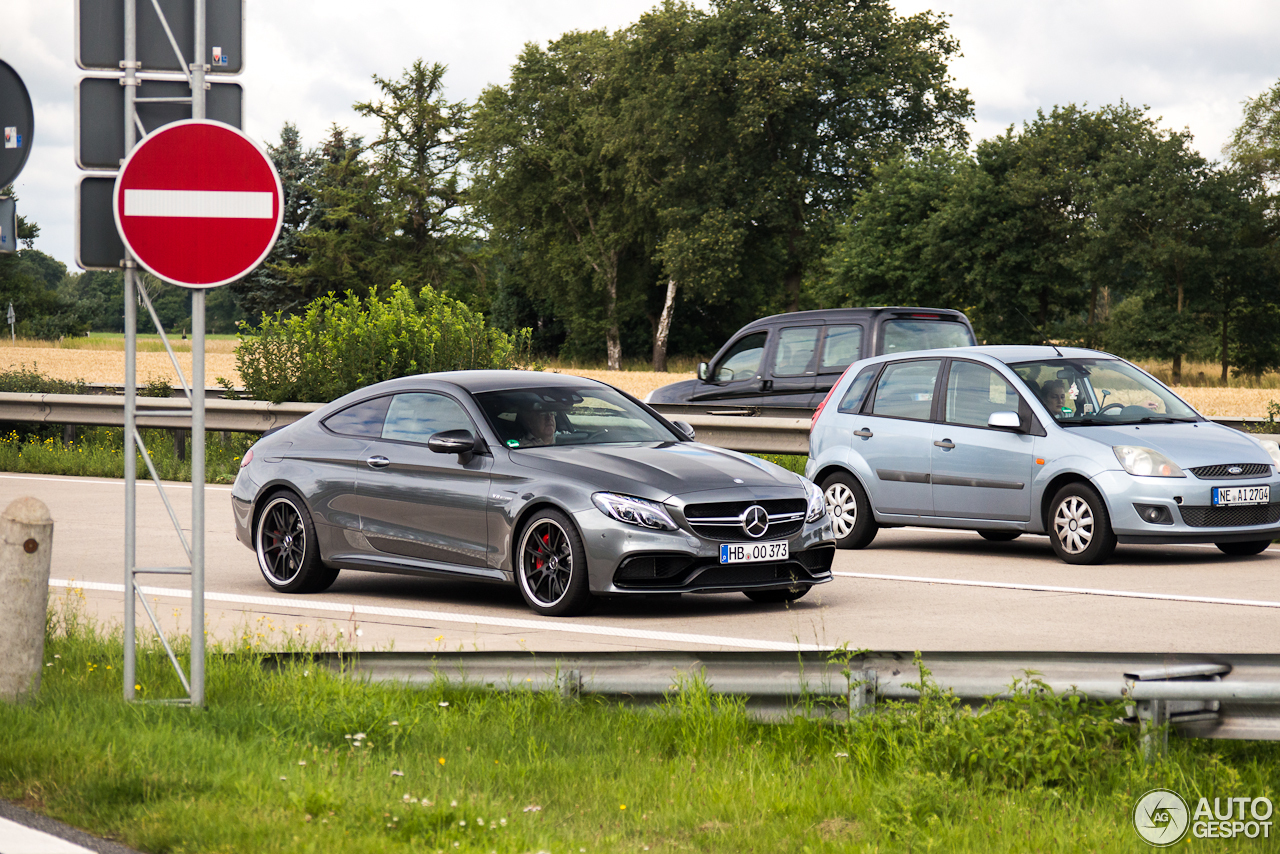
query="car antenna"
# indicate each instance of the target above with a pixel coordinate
(1040, 332)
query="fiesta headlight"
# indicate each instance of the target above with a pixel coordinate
(1146, 462)
(1273, 448)
(817, 501)
(634, 511)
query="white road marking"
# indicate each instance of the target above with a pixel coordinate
(142, 481)
(1049, 588)
(199, 204)
(351, 609)
(21, 839)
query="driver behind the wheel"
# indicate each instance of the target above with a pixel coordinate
(1054, 394)
(539, 426)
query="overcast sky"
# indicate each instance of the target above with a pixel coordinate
(1192, 62)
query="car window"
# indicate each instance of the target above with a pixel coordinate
(852, 400)
(1090, 392)
(903, 334)
(905, 389)
(417, 416)
(363, 419)
(581, 416)
(974, 392)
(742, 362)
(796, 351)
(841, 347)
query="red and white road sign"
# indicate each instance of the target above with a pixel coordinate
(198, 203)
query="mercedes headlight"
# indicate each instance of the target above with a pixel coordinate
(817, 501)
(1146, 462)
(634, 511)
(1273, 448)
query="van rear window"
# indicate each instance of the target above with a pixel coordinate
(904, 334)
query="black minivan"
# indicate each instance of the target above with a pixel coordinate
(793, 359)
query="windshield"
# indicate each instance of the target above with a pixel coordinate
(536, 417)
(1086, 392)
(901, 336)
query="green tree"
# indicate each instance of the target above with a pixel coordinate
(268, 289)
(1255, 144)
(551, 181)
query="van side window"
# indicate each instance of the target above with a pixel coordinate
(852, 400)
(796, 352)
(902, 335)
(742, 362)
(905, 389)
(841, 348)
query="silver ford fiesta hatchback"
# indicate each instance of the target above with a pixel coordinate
(565, 487)
(1077, 444)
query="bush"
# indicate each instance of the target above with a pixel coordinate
(337, 346)
(30, 381)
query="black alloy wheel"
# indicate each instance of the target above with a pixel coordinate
(852, 521)
(1080, 527)
(288, 554)
(551, 566)
(1252, 547)
(999, 536)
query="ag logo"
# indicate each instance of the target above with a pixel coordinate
(1161, 817)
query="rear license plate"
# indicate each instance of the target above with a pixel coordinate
(753, 552)
(1232, 495)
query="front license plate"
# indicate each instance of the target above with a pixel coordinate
(1232, 495)
(753, 552)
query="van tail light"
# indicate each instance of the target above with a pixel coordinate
(813, 420)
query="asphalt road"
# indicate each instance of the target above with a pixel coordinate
(912, 589)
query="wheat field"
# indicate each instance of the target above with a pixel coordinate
(101, 360)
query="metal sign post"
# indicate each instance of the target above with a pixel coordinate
(137, 38)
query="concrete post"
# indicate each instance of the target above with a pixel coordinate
(26, 544)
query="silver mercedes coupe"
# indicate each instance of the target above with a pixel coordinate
(563, 486)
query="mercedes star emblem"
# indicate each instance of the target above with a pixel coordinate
(755, 521)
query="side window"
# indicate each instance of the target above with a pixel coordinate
(797, 347)
(852, 400)
(840, 349)
(742, 362)
(417, 416)
(974, 392)
(905, 389)
(363, 419)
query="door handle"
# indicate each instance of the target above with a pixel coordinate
(946, 443)
(766, 385)
(864, 433)
(378, 462)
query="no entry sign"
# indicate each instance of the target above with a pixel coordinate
(198, 203)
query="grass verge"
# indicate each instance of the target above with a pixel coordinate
(99, 452)
(302, 759)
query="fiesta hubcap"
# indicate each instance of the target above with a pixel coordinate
(1073, 524)
(843, 508)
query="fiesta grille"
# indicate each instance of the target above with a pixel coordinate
(1224, 471)
(722, 520)
(1230, 517)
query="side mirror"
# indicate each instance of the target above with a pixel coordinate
(704, 371)
(460, 442)
(1004, 420)
(685, 428)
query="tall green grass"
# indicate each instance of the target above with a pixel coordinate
(302, 758)
(99, 452)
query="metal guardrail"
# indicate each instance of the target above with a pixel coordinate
(752, 429)
(1235, 696)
